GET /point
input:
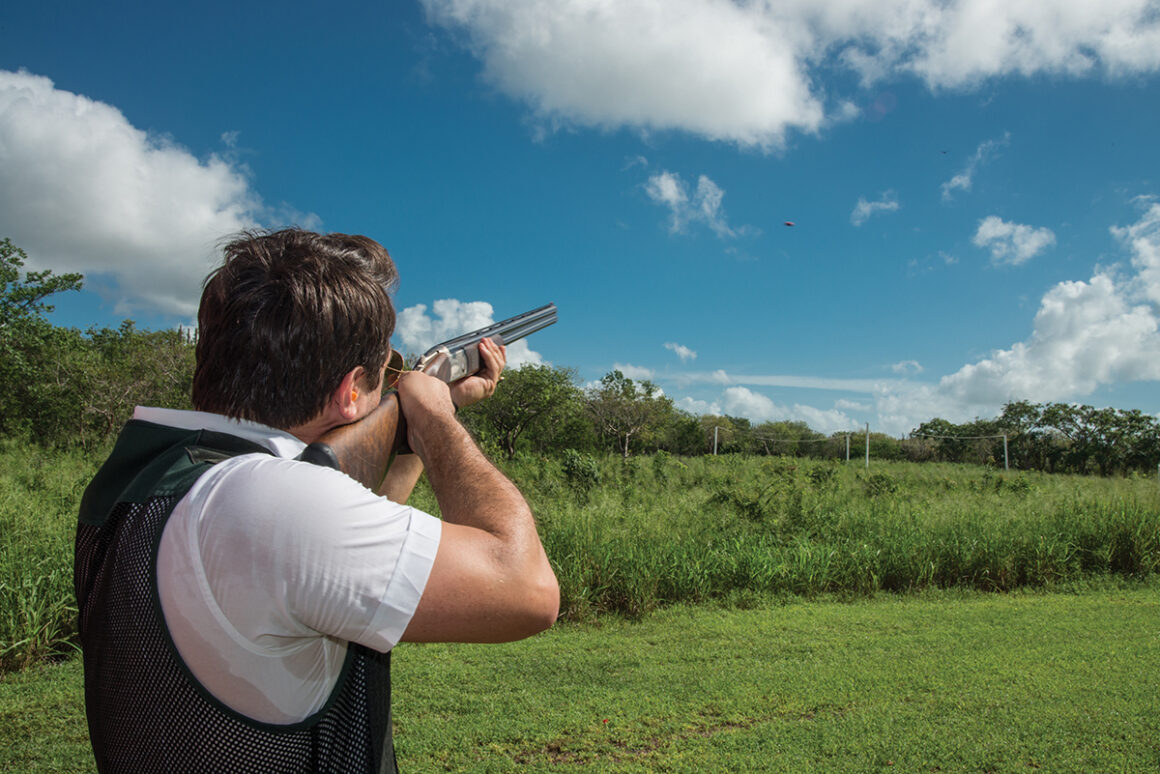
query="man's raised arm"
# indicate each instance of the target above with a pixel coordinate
(491, 580)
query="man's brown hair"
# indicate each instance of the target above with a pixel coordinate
(285, 317)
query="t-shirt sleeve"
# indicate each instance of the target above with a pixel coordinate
(330, 555)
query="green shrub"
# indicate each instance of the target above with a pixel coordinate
(581, 470)
(878, 484)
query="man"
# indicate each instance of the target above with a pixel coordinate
(237, 605)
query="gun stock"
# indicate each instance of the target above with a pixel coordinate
(364, 449)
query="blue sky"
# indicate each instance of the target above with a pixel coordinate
(974, 187)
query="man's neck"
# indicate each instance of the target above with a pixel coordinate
(311, 431)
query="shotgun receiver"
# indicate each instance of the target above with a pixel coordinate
(364, 449)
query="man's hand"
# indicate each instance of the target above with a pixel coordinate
(422, 397)
(474, 388)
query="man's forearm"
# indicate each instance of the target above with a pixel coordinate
(470, 489)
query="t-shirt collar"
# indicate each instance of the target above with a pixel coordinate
(280, 442)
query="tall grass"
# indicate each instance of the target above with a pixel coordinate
(39, 494)
(660, 530)
(629, 536)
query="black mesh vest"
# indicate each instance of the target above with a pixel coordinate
(146, 711)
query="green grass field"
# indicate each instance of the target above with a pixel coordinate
(629, 537)
(941, 681)
(728, 614)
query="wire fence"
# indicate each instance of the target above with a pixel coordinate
(766, 439)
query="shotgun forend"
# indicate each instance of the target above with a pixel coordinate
(459, 357)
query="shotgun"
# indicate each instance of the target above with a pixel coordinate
(364, 449)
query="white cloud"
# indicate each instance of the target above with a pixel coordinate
(708, 201)
(636, 373)
(749, 73)
(743, 402)
(698, 407)
(1011, 243)
(1086, 334)
(702, 206)
(634, 161)
(851, 405)
(963, 43)
(1143, 241)
(903, 406)
(864, 209)
(785, 380)
(82, 189)
(907, 367)
(718, 69)
(823, 420)
(668, 189)
(683, 352)
(416, 331)
(965, 179)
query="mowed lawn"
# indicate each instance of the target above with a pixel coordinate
(941, 682)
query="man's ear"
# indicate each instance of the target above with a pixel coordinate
(345, 398)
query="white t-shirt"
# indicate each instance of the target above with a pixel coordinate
(269, 566)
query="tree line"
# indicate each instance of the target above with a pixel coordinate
(63, 387)
(1053, 437)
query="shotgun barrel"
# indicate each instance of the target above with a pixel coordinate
(459, 357)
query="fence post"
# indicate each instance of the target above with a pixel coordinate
(1006, 466)
(867, 446)
(715, 440)
(848, 450)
